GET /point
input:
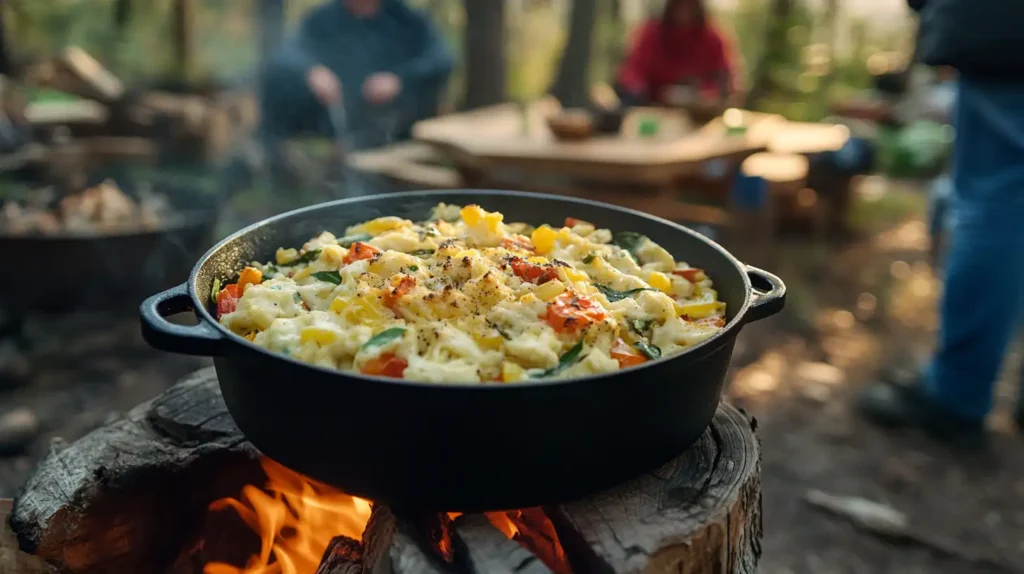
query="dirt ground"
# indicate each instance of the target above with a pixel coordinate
(852, 312)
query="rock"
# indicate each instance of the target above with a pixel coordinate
(17, 430)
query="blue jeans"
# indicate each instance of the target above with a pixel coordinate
(984, 283)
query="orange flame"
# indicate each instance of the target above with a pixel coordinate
(295, 518)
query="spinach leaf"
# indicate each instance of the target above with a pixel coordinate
(570, 358)
(612, 295)
(348, 240)
(640, 326)
(589, 259)
(215, 290)
(384, 337)
(631, 241)
(423, 252)
(414, 268)
(296, 297)
(648, 349)
(328, 276)
(306, 257)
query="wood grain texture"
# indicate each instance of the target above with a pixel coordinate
(133, 496)
(128, 496)
(699, 514)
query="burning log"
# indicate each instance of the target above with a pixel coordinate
(131, 494)
(173, 488)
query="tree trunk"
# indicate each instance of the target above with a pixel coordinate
(485, 52)
(183, 14)
(775, 43)
(573, 76)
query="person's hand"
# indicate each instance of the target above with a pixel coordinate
(324, 85)
(381, 88)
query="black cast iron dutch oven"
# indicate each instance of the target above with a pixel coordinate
(463, 447)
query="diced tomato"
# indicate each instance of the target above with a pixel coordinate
(571, 312)
(518, 243)
(405, 284)
(386, 365)
(250, 276)
(692, 274)
(537, 274)
(360, 251)
(227, 298)
(626, 355)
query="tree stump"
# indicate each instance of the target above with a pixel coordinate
(133, 496)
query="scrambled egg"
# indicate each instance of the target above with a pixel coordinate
(467, 297)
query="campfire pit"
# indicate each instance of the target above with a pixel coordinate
(173, 488)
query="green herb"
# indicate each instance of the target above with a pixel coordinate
(297, 298)
(414, 268)
(631, 241)
(570, 358)
(589, 259)
(384, 337)
(648, 349)
(640, 326)
(306, 257)
(504, 335)
(612, 295)
(328, 276)
(215, 290)
(423, 253)
(432, 231)
(348, 240)
(269, 269)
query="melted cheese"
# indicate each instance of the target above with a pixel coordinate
(468, 297)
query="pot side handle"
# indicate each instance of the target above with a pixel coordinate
(200, 339)
(769, 294)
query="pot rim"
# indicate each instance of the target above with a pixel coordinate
(731, 329)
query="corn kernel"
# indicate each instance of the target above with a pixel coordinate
(543, 239)
(660, 281)
(575, 275)
(698, 310)
(537, 260)
(493, 221)
(528, 299)
(319, 335)
(333, 254)
(511, 372)
(549, 290)
(302, 273)
(472, 214)
(286, 255)
(489, 342)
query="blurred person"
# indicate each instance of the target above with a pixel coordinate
(377, 58)
(682, 49)
(984, 275)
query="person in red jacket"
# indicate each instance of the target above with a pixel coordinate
(681, 49)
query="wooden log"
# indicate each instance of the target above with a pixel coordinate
(12, 560)
(128, 496)
(133, 496)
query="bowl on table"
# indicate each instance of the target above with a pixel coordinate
(572, 125)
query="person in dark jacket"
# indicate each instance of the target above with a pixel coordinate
(376, 58)
(984, 273)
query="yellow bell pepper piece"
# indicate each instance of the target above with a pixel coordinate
(543, 239)
(319, 335)
(660, 281)
(698, 310)
(472, 214)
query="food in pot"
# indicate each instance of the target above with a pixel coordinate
(103, 208)
(467, 297)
